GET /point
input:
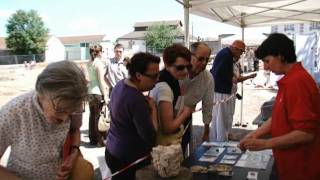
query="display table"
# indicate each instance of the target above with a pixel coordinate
(238, 172)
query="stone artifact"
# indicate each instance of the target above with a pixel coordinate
(167, 160)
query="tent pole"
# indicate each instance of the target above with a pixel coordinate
(186, 7)
(241, 110)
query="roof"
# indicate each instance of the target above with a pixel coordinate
(140, 35)
(81, 39)
(3, 43)
(251, 13)
(149, 23)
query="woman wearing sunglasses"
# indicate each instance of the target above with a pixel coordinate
(169, 96)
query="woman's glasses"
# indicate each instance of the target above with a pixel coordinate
(182, 67)
(152, 76)
(75, 111)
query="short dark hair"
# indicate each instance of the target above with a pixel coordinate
(140, 62)
(117, 46)
(171, 53)
(95, 50)
(277, 44)
(194, 46)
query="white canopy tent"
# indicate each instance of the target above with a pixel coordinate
(251, 13)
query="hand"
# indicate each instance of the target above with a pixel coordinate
(205, 136)
(248, 136)
(253, 144)
(66, 167)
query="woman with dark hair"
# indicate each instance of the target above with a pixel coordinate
(98, 94)
(133, 116)
(294, 125)
(169, 96)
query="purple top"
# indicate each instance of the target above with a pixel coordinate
(131, 134)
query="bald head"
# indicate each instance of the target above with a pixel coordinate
(238, 44)
(237, 48)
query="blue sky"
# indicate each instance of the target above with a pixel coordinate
(113, 17)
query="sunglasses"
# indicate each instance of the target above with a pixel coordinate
(182, 67)
(152, 76)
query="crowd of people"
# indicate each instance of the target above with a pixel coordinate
(151, 106)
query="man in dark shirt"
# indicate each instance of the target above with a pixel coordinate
(223, 73)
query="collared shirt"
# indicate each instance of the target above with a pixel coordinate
(297, 107)
(200, 88)
(35, 143)
(115, 71)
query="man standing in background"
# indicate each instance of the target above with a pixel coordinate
(115, 68)
(223, 74)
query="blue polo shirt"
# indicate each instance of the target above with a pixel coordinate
(222, 71)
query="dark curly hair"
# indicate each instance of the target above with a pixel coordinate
(140, 62)
(277, 44)
(171, 53)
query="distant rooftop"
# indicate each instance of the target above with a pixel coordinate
(81, 39)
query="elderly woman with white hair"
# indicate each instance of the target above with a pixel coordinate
(36, 124)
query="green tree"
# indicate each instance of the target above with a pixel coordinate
(159, 36)
(27, 33)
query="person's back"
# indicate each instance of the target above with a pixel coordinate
(94, 87)
(222, 71)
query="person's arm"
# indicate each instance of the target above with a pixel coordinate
(153, 111)
(285, 141)
(261, 131)
(168, 122)
(142, 120)
(5, 174)
(6, 127)
(243, 78)
(207, 106)
(67, 165)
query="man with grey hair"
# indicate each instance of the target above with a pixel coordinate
(223, 71)
(199, 87)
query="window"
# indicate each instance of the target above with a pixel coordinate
(289, 27)
(274, 29)
(301, 28)
(84, 44)
(314, 26)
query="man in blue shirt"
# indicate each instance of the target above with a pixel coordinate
(223, 74)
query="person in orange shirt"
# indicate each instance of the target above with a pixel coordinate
(295, 122)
